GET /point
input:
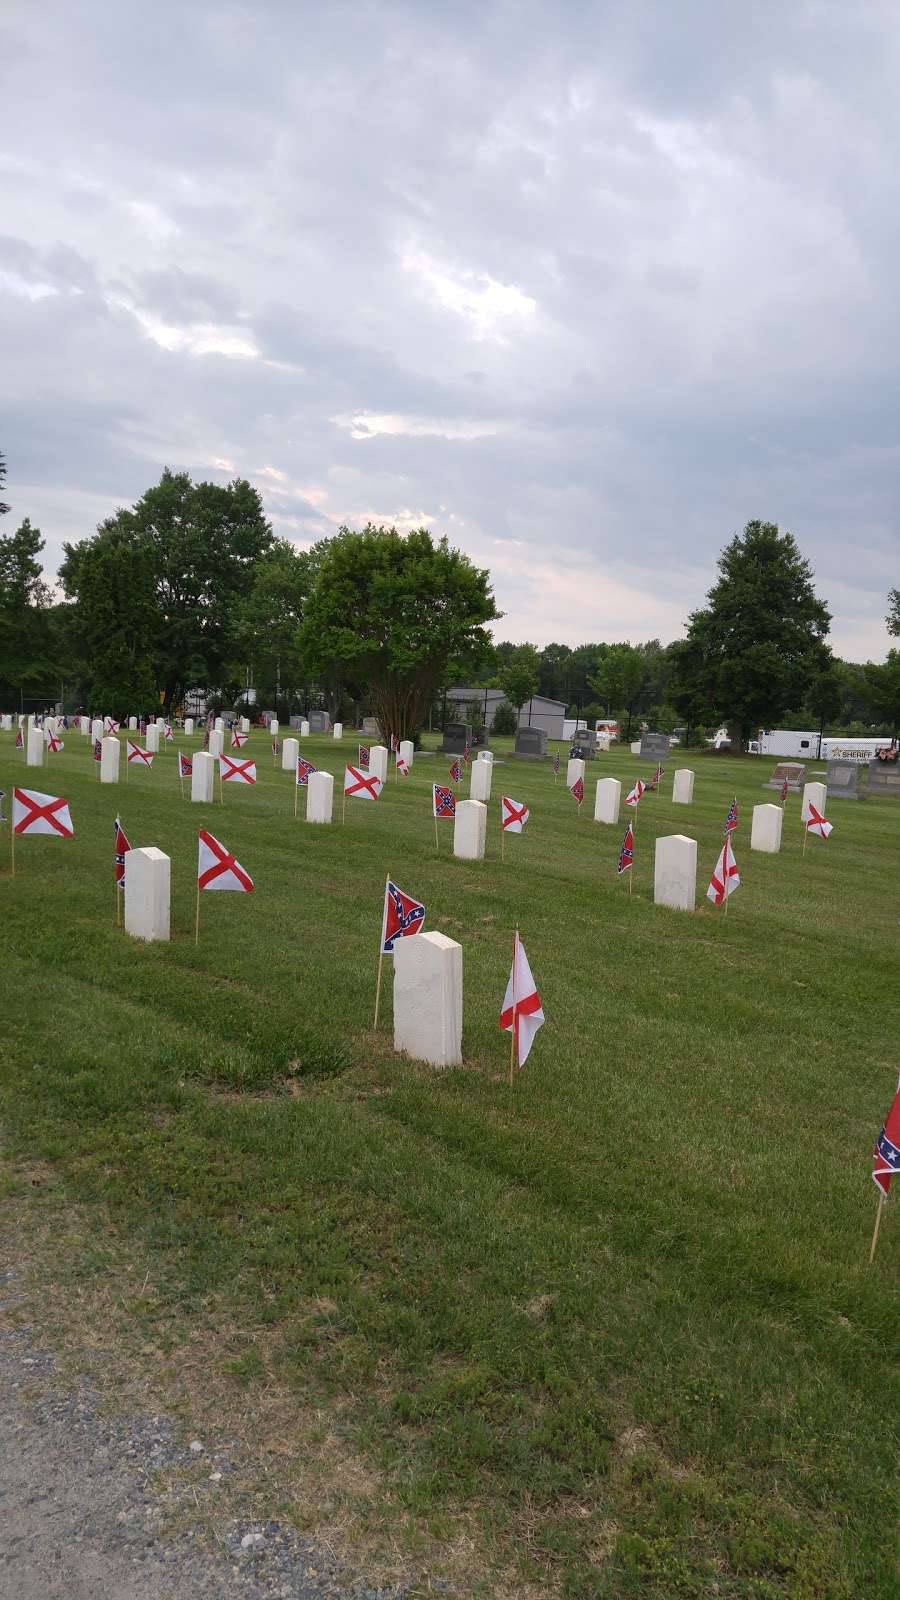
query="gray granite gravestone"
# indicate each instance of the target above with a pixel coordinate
(456, 736)
(370, 726)
(655, 745)
(319, 722)
(842, 780)
(793, 771)
(531, 743)
(884, 778)
(481, 738)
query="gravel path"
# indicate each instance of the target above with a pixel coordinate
(86, 1498)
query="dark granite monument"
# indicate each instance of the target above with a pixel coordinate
(655, 745)
(456, 736)
(884, 778)
(531, 743)
(319, 722)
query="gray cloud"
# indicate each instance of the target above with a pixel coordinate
(584, 287)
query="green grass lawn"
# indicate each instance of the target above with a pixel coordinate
(617, 1321)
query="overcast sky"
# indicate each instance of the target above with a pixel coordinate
(583, 286)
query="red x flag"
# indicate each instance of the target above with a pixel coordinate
(232, 771)
(815, 822)
(134, 752)
(364, 785)
(41, 813)
(725, 878)
(54, 743)
(218, 869)
(513, 816)
(522, 1013)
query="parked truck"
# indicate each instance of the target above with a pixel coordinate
(781, 742)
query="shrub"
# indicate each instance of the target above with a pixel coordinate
(505, 718)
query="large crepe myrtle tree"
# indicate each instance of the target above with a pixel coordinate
(393, 612)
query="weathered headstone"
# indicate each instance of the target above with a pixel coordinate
(338, 730)
(304, 728)
(574, 771)
(290, 753)
(813, 794)
(273, 727)
(188, 727)
(792, 770)
(34, 747)
(842, 780)
(485, 755)
(154, 737)
(765, 830)
(656, 746)
(110, 752)
(6, 722)
(97, 729)
(469, 830)
(245, 724)
(675, 872)
(481, 738)
(219, 725)
(428, 998)
(203, 777)
(407, 750)
(132, 724)
(320, 797)
(683, 787)
(884, 778)
(584, 745)
(480, 781)
(607, 800)
(456, 736)
(371, 728)
(147, 893)
(531, 743)
(319, 722)
(216, 743)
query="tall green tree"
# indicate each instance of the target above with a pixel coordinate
(883, 682)
(3, 506)
(396, 613)
(205, 541)
(24, 598)
(754, 649)
(619, 680)
(519, 676)
(268, 629)
(893, 617)
(118, 623)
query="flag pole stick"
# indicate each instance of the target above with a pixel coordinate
(12, 836)
(877, 1226)
(805, 832)
(387, 880)
(502, 835)
(512, 1041)
(197, 917)
(296, 787)
(631, 878)
(435, 823)
(221, 790)
(343, 806)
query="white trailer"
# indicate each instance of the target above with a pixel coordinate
(791, 742)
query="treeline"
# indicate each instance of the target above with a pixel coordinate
(189, 589)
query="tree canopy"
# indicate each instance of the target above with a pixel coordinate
(396, 612)
(520, 674)
(753, 650)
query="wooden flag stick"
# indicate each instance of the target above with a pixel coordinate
(343, 805)
(877, 1226)
(435, 824)
(197, 917)
(512, 1041)
(631, 878)
(296, 789)
(805, 832)
(12, 837)
(221, 789)
(387, 879)
(502, 835)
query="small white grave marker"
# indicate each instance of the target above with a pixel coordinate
(675, 872)
(765, 832)
(683, 787)
(203, 777)
(110, 752)
(428, 998)
(607, 800)
(147, 893)
(319, 797)
(469, 830)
